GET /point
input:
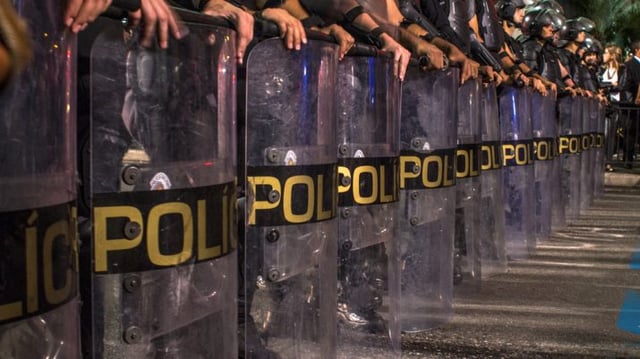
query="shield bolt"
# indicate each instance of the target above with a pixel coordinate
(415, 169)
(272, 155)
(132, 230)
(273, 236)
(274, 196)
(343, 149)
(345, 180)
(131, 283)
(130, 174)
(346, 213)
(132, 335)
(416, 142)
(347, 245)
(414, 195)
(274, 274)
(413, 221)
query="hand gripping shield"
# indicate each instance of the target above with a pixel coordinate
(466, 270)
(569, 150)
(427, 197)
(518, 171)
(39, 305)
(163, 261)
(368, 107)
(545, 129)
(493, 259)
(291, 199)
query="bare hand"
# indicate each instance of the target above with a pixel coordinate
(291, 29)
(157, 18)
(241, 20)
(435, 55)
(401, 56)
(469, 70)
(539, 86)
(79, 13)
(344, 39)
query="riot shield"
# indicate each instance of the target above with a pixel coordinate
(558, 216)
(569, 150)
(493, 259)
(587, 161)
(290, 232)
(39, 305)
(466, 265)
(545, 130)
(599, 123)
(427, 197)
(162, 191)
(368, 108)
(518, 171)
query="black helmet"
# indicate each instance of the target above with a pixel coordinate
(536, 18)
(574, 27)
(591, 45)
(550, 4)
(506, 8)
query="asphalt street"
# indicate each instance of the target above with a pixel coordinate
(578, 296)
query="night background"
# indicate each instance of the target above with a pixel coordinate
(617, 21)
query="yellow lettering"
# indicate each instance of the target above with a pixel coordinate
(205, 252)
(465, 157)
(153, 234)
(404, 174)
(344, 171)
(357, 173)
(54, 295)
(104, 245)
(384, 196)
(288, 200)
(322, 213)
(254, 182)
(440, 169)
(31, 252)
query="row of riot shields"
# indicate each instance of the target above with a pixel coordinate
(319, 210)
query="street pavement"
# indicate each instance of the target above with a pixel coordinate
(564, 301)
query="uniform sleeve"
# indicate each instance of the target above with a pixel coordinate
(530, 53)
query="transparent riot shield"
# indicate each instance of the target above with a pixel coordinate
(493, 259)
(427, 197)
(587, 160)
(558, 216)
(368, 107)
(162, 182)
(291, 228)
(545, 129)
(466, 265)
(39, 305)
(518, 171)
(570, 126)
(599, 147)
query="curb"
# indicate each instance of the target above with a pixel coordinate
(622, 179)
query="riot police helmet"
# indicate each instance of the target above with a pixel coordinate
(537, 18)
(574, 27)
(507, 8)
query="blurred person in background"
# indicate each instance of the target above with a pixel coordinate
(611, 72)
(15, 46)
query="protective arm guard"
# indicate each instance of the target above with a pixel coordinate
(482, 55)
(587, 81)
(490, 27)
(530, 54)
